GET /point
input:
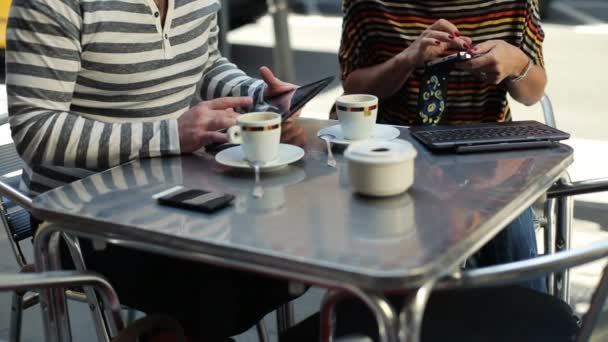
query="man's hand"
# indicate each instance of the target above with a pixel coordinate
(199, 125)
(292, 134)
(275, 85)
(497, 61)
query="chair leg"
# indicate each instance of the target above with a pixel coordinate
(262, 332)
(285, 317)
(16, 317)
(131, 316)
(550, 241)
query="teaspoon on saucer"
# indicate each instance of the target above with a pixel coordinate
(258, 192)
(331, 161)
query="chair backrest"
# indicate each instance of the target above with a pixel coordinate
(547, 106)
(14, 217)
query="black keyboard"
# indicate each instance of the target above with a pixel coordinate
(488, 135)
(467, 134)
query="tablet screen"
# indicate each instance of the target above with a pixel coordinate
(289, 103)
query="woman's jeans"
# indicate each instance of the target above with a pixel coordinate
(514, 243)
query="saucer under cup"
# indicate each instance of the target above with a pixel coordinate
(235, 157)
(259, 134)
(357, 115)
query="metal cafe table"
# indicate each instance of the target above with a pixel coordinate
(308, 228)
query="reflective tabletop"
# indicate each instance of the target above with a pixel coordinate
(309, 226)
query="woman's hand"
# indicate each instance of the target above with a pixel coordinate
(434, 41)
(497, 61)
(386, 79)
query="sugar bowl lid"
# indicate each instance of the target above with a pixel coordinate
(380, 152)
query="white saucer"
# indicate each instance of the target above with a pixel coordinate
(234, 157)
(380, 132)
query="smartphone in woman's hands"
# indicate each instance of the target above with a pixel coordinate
(448, 61)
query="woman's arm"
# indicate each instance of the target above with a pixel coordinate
(500, 61)
(382, 80)
(385, 79)
(531, 88)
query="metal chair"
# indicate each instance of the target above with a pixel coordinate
(36, 281)
(14, 215)
(556, 221)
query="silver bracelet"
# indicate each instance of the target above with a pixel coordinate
(525, 73)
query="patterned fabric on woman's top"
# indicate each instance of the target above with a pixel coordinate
(374, 31)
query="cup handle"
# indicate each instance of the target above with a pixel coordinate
(234, 135)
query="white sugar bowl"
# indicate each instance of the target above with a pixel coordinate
(381, 168)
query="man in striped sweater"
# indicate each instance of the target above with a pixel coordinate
(95, 83)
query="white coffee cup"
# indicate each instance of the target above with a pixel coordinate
(260, 135)
(357, 115)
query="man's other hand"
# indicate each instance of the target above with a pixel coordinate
(274, 85)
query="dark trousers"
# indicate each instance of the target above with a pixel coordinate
(211, 303)
(514, 243)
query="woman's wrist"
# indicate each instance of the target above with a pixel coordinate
(409, 58)
(524, 73)
(522, 67)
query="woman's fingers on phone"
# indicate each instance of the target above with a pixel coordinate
(432, 42)
(445, 26)
(482, 63)
(483, 48)
(461, 43)
(439, 35)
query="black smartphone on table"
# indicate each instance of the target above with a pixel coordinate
(194, 199)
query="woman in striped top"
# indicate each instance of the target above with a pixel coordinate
(385, 46)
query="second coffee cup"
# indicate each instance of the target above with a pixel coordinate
(259, 134)
(357, 115)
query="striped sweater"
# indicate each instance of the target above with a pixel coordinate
(95, 83)
(374, 31)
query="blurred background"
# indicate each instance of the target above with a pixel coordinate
(576, 55)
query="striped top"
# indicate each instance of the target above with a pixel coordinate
(95, 83)
(375, 31)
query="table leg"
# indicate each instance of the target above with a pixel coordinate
(52, 301)
(410, 317)
(550, 240)
(564, 209)
(379, 305)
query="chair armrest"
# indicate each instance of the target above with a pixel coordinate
(16, 196)
(45, 280)
(578, 188)
(354, 339)
(515, 272)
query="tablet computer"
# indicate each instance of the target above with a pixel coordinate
(286, 104)
(289, 103)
